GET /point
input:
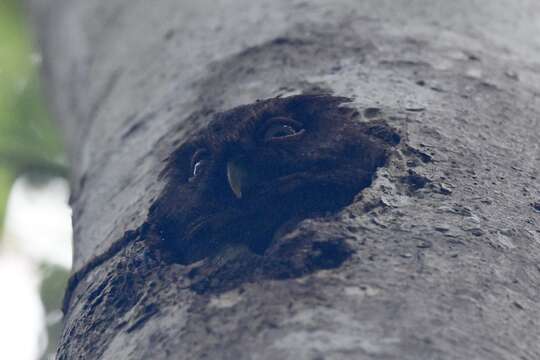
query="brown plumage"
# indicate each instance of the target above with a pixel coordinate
(257, 167)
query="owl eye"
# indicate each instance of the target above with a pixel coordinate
(199, 162)
(280, 129)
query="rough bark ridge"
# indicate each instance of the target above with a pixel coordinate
(445, 242)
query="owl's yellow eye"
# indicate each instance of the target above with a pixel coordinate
(199, 162)
(282, 129)
(279, 130)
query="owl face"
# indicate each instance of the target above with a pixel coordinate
(258, 167)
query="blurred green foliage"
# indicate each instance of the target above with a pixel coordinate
(29, 143)
(53, 284)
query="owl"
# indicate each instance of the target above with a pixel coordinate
(262, 166)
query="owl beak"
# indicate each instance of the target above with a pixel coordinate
(237, 176)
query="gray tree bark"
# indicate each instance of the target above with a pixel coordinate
(446, 240)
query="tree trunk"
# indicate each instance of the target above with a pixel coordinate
(443, 254)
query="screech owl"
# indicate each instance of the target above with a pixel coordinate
(260, 166)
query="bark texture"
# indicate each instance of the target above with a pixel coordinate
(446, 240)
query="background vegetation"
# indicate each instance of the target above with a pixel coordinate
(30, 145)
